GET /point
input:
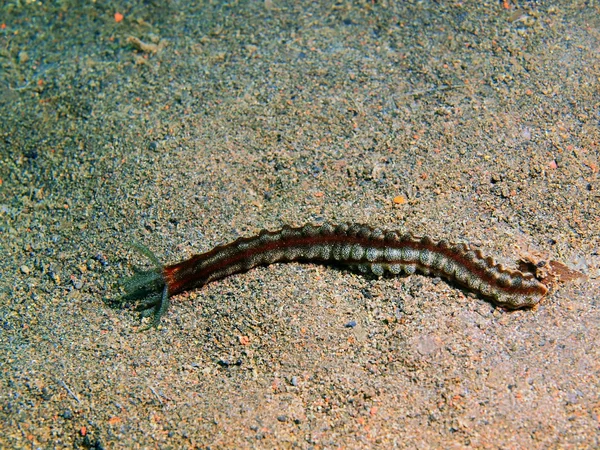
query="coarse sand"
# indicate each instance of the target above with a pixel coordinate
(183, 125)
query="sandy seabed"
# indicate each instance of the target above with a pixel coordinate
(183, 125)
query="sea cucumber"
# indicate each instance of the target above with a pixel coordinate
(359, 247)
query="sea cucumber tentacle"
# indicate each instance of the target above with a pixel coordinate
(149, 288)
(357, 246)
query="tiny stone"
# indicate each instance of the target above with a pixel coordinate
(351, 324)
(282, 418)
(26, 270)
(23, 57)
(55, 277)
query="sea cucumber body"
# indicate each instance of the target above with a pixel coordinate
(366, 249)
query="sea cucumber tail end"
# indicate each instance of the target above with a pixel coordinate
(148, 289)
(531, 292)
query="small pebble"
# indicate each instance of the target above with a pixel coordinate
(351, 324)
(101, 259)
(26, 270)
